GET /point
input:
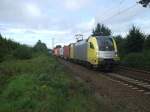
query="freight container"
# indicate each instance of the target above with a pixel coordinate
(71, 48)
(61, 52)
(66, 52)
(56, 51)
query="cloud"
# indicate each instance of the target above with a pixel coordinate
(27, 21)
(28, 14)
(33, 10)
(88, 25)
(85, 28)
(75, 4)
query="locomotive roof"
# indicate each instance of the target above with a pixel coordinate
(81, 42)
(104, 36)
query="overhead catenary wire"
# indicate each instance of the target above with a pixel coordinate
(119, 13)
(121, 2)
(113, 8)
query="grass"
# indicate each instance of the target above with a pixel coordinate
(41, 84)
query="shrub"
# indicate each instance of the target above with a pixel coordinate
(23, 52)
(147, 43)
(140, 60)
(1, 57)
(40, 47)
(132, 59)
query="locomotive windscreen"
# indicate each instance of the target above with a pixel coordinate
(105, 43)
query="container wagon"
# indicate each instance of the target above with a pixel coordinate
(61, 52)
(66, 52)
(71, 51)
(56, 51)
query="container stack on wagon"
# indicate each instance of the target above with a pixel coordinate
(61, 52)
(71, 55)
(56, 51)
(66, 52)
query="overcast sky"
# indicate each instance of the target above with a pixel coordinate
(27, 21)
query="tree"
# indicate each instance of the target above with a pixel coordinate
(120, 41)
(9, 48)
(101, 30)
(144, 3)
(147, 43)
(23, 52)
(41, 47)
(0, 37)
(134, 41)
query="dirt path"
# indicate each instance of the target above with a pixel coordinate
(114, 93)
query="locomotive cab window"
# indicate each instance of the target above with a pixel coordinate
(91, 45)
(105, 44)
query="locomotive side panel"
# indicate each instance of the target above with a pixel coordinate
(71, 51)
(81, 51)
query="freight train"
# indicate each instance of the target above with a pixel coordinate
(96, 51)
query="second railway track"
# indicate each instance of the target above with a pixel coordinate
(134, 73)
(133, 78)
(135, 84)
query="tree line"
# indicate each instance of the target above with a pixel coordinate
(10, 49)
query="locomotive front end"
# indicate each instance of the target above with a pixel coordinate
(107, 52)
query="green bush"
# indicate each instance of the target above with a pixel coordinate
(7, 48)
(133, 59)
(138, 60)
(40, 47)
(23, 52)
(1, 57)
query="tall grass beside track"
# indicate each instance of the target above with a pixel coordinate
(41, 84)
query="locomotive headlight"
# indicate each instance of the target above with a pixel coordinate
(116, 54)
(97, 53)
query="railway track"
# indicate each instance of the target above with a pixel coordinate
(134, 73)
(134, 70)
(127, 79)
(137, 80)
(133, 83)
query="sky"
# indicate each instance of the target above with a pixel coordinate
(27, 21)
